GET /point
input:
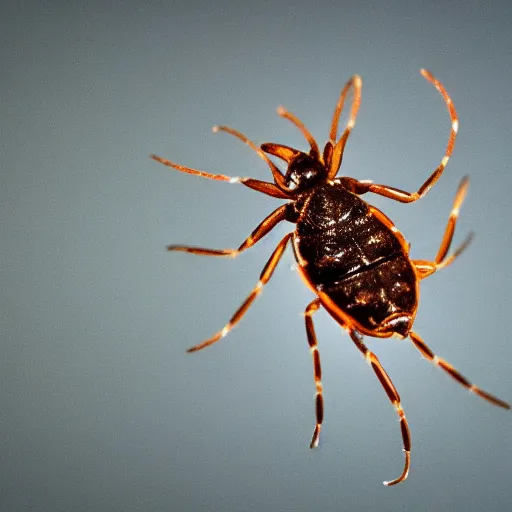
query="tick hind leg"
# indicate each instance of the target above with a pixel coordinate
(452, 372)
(265, 276)
(394, 397)
(313, 346)
(426, 268)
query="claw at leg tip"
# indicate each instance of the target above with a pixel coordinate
(316, 439)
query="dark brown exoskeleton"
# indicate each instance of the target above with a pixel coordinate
(348, 252)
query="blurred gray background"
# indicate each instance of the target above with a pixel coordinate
(101, 408)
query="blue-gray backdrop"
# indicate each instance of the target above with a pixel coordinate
(101, 408)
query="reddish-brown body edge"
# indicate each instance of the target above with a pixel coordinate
(389, 237)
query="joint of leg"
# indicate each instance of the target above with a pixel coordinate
(312, 308)
(455, 213)
(245, 244)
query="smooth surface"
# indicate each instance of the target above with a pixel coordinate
(101, 408)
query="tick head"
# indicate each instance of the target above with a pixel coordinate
(304, 169)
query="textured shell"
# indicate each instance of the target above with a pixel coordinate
(347, 252)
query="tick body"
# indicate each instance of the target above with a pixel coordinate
(349, 253)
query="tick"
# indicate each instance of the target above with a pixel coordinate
(349, 253)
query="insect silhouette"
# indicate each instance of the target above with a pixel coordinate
(349, 253)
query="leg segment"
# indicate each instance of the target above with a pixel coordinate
(283, 152)
(261, 186)
(452, 372)
(427, 268)
(393, 395)
(265, 275)
(313, 346)
(408, 197)
(300, 125)
(261, 230)
(275, 190)
(452, 220)
(276, 173)
(333, 152)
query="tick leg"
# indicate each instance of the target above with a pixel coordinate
(278, 189)
(261, 230)
(426, 268)
(393, 395)
(265, 275)
(276, 173)
(313, 346)
(333, 152)
(408, 197)
(452, 372)
(283, 152)
(261, 186)
(300, 125)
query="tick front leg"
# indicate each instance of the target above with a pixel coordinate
(278, 189)
(265, 276)
(333, 151)
(261, 230)
(393, 395)
(315, 151)
(453, 373)
(408, 197)
(313, 346)
(269, 189)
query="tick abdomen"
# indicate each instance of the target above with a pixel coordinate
(352, 256)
